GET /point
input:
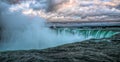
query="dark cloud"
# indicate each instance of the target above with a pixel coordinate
(82, 9)
(118, 7)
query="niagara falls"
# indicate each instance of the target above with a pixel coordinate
(59, 30)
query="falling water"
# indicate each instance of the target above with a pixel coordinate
(87, 34)
(21, 31)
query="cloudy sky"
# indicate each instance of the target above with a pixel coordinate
(70, 10)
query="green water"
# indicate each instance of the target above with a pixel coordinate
(86, 33)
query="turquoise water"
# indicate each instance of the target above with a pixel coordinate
(86, 33)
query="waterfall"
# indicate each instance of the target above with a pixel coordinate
(24, 27)
(86, 34)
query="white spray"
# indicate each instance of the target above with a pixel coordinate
(28, 32)
(21, 31)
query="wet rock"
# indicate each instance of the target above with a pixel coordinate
(115, 38)
(94, 50)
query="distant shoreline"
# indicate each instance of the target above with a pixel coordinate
(81, 24)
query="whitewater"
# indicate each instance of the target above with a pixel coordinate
(24, 27)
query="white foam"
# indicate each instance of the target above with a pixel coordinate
(21, 31)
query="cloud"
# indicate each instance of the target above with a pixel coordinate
(71, 10)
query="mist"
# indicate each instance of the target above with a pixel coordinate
(21, 32)
(24, 30)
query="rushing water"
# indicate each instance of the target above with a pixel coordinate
(97, 34)
(23, 27)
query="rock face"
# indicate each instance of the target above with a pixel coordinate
(94, 50)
